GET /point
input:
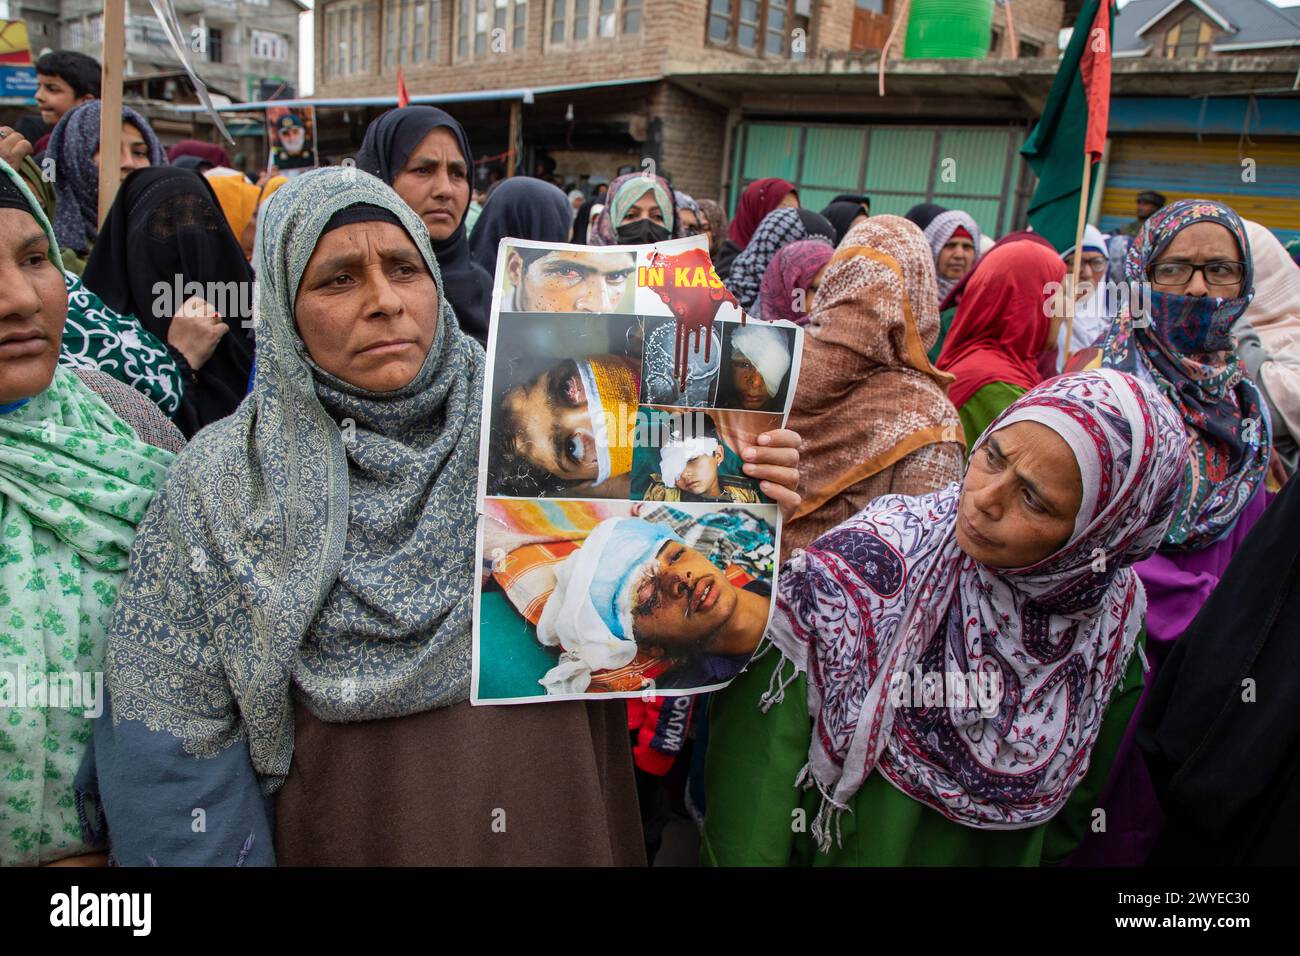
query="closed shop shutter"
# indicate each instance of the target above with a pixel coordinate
(1259, 178)
(977, 169)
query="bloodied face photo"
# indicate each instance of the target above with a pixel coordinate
(539, 279)
(617, 598)
(563, 405)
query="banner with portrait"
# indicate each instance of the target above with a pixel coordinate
(291, 139)
(623, 551)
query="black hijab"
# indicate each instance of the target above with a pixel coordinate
(522, 208)
(1225, 762)
(166, 222)
(854, 198)
(582, 220)
(841, 216)
(923, 213)
(387, 145)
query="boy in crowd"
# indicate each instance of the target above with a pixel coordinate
(65, 79)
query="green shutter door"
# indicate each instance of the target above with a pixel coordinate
(977, 169)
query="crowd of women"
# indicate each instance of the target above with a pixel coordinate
(254, 517)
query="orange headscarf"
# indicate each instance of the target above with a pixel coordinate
(238, 199)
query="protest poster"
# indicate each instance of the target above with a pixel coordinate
(623, 550)
(291, 131)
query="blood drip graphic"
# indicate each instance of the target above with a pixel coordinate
(695, 306)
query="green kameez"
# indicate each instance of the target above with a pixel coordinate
(757, 817)
(978, 411)
(945, 323)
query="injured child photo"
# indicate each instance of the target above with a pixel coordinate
(755, 366)
(589, 598)
(686, 454)
(562, 420)
(568, 280)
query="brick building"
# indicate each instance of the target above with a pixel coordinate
(600, 84)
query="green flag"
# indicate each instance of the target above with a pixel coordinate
(1072, 127)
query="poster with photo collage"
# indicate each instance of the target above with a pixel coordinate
(622, 549)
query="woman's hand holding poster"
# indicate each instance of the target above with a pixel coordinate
(624, 551)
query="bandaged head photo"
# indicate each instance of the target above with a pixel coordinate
(756, 360)
(688, 454)
(600, 598)
(563, 406)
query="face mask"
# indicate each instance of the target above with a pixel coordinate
(1192, 324)
(641, 232)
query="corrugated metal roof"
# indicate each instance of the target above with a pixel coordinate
(1253, 22)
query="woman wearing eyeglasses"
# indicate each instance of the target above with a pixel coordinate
(1195, 255)
(1092, 310)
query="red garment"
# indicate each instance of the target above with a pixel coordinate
(661, 725)
(955, 293)
(758, 199)
(1001, 325)
(42, 143)
(208, 152)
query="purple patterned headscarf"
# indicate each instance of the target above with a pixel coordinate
(890, 594)
(793, 267)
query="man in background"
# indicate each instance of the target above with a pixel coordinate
(1148, 201)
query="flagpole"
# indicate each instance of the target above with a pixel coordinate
(1077, 258)
(110, 109)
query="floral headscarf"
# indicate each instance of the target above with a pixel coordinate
(1185, 347)
(890, 593)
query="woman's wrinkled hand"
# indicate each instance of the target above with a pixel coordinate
(196, 330)
(774, 461)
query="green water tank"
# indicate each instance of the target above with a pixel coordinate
(953, 29)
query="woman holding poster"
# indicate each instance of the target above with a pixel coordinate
(947, 677)
(338, 685)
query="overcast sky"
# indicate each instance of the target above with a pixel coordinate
(307, 49)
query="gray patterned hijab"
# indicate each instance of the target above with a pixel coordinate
(319, 541)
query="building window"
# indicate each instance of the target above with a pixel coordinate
(410, 32)
(995, 39)
(268, 46)
(347, 26)
(1188, 39)
(1029, 51)
(214, 45)
(499, 26)
(576, 21)
(758, 27)
(558, 8)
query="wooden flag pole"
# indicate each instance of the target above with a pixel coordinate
(516, 128)
(1077, 258)
(110, 112)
